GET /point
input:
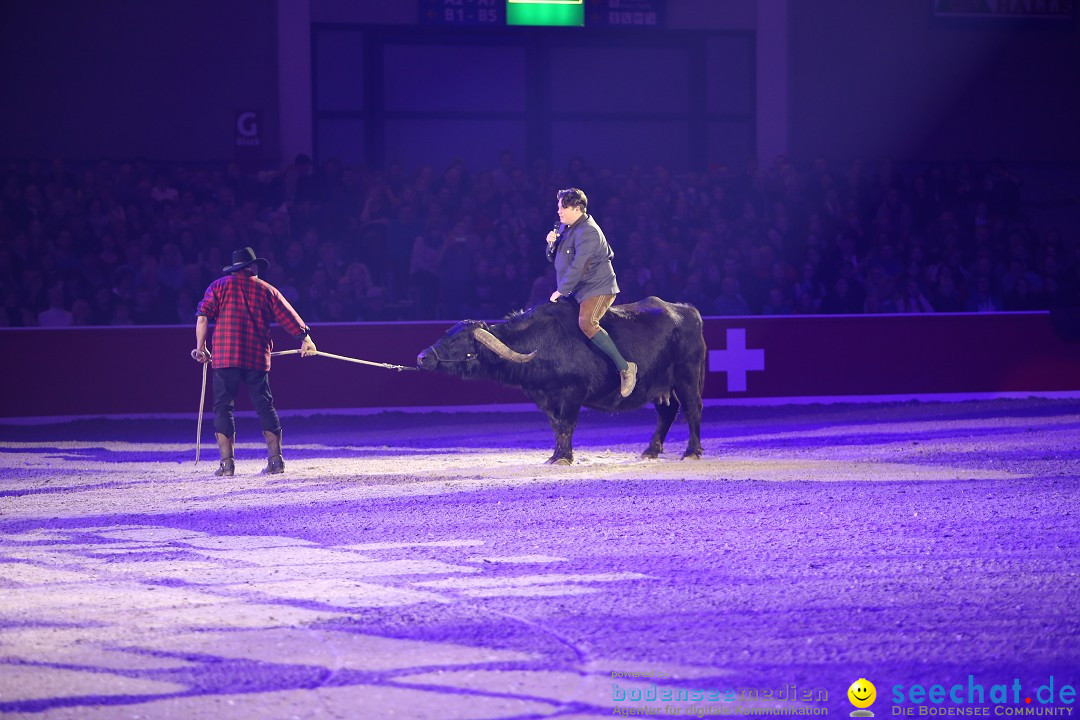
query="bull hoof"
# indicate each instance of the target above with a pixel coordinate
(558, 460)
(692, 454)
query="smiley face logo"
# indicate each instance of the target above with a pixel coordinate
(862, 693)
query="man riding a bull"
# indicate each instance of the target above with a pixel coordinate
(583, 270)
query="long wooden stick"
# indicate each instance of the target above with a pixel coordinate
(320, 353)
(202, 405)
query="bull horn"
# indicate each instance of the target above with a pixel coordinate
(498, 347)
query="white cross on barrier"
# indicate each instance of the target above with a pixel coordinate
(737, 360)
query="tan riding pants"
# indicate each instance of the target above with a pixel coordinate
(590, 311)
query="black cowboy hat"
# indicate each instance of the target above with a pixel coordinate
(242, 258)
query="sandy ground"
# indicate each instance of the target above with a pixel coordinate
(430, 566)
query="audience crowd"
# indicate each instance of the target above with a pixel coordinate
(117, 243)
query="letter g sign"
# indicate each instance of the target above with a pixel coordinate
(247, 124)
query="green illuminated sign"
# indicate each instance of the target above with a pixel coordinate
(567, 13)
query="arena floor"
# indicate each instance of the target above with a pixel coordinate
(429, 565)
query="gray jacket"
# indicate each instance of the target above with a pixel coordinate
(582, 260)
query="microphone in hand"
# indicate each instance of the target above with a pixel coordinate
(553, 236)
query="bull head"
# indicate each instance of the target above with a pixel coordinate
(498, 347)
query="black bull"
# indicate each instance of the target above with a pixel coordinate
(543, 352)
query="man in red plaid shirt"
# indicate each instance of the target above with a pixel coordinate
(244, 306)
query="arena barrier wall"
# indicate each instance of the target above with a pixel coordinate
(137, 370)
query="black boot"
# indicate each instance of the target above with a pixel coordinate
(225, 446)
(275, 464)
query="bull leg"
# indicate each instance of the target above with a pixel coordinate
(563, 415)
(688, 385)
(665, 415)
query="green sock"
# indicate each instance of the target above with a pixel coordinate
(603, 341)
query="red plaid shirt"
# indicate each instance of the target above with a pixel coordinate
(244, 306)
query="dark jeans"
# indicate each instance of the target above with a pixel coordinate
(227, 384)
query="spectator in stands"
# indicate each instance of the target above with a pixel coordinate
(121, 314)
(777, 302)
(1022, 297)
(81, 313)
(730, 302)
(163, 191)
(910, 299)
(510, 288)
(455, 273)
(946, 295)
(982, 298)
(424, 262)
(844, 299)
(541, 287)
(56, 315)
(362, 298)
